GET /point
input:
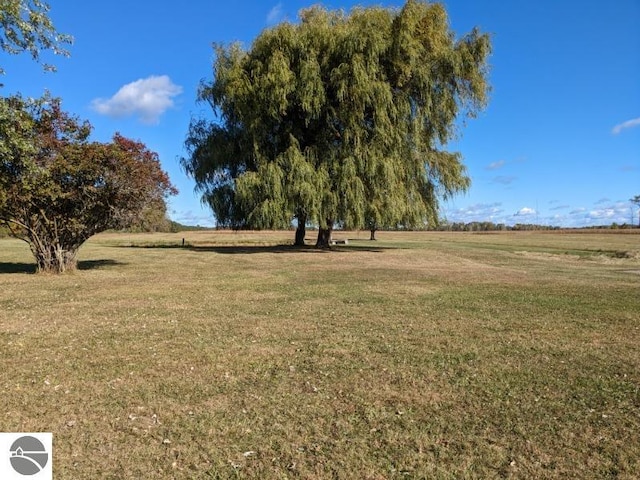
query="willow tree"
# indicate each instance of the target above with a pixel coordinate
(340, 119)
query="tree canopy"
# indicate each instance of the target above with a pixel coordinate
(340, 119)
(25, 26)
(57, 188)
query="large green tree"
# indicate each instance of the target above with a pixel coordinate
(340, 119)
(25, 26)
(57, 188)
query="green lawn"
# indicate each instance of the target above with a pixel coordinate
(421, 355)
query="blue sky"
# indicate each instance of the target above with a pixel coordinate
(558, 144)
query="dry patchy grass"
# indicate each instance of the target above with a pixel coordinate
(422, 355)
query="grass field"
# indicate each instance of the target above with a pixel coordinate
(421, 355)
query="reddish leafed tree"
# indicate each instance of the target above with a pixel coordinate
(57, 188)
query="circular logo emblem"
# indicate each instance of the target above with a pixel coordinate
(28, 455)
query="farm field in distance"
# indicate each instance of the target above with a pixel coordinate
(421, 355)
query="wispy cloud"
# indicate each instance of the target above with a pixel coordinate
(496, 165)
(628, 168)
(614, 212)
(276, 14)
(504, 179)
(602, 214)
(147, 98)
(625, 125)
(478, 212)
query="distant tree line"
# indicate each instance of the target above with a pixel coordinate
(498, 227)
(163, 225)
(488, 227)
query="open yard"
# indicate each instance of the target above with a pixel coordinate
(421, 355)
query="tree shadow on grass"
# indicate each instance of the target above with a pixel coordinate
(249, 249)
(11, 267)
(19, 267)
(96, 264)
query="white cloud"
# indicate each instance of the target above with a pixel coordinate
(147, 98)
(479, 212)
(619, 212)
(525, 212)
(602, 214)
(562, 215)
(496, 165)
(628, 124)
(276, 14)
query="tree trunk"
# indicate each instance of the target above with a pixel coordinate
(54, 258)
(301, 230)
(324, 236)
(373, 234)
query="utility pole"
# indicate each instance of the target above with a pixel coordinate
(636, 201)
